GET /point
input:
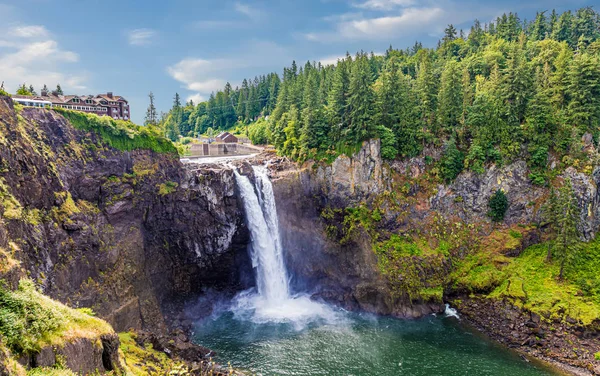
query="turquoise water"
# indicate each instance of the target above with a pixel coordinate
(357, 344)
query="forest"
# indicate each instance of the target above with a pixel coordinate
(501, 91)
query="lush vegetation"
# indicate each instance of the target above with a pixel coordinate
(507, 84)
(121, 135)
(29, 320)
(223, 110)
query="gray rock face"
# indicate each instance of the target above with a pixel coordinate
(346, 275)
(350, 180)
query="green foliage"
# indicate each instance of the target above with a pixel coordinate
(167, 188)
(498, 206)
(257, 132)
(29, 320)
(389, 149)
(597, 356)
(24, 90)
(120, 135)
(452, 162)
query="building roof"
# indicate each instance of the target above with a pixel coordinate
(62, 99)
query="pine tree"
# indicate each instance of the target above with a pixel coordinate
(450, 96)
(361, 102)
(59, 90)
(540, 27)
(23, 90)
(566, 243)
(584, 92)
(562, 31)
(150, 118)
(427, 95)
(312, 134)
(337, 106)
(32, 90)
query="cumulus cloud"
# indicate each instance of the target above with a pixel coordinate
(408, 21)
(141, 37)
(204, 76)
(31, 31)
(197, 98)
(34, 57)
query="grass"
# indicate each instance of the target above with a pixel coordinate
(29, 320)
(121, 135)
(533, 284)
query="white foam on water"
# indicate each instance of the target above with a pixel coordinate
(451, 312)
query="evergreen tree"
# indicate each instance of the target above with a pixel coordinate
(151, 118)
(566, 243)
(23, 90)
(450, 97)
(32, 90)
(584, 92)
(361, 101)
(540, 27)
(337, 106)
(59, 90)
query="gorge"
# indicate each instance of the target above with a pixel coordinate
(354, 255)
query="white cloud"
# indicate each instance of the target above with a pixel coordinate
(33, 57)
(31, 31)
(331, 60)
(248, 11)
(383, 4)
(203, 76)
(197, 98)
(141, 37)
(409, 21)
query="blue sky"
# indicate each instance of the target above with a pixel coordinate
(194, 47)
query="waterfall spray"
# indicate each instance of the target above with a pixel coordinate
(272, 302)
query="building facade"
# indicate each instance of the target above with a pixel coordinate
(107, 104)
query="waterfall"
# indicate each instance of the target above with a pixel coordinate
(272, 302)
(267, 257)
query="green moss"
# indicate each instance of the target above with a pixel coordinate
(12, 207)
(141, 361)
(120, 135)
(533, 283)
(479, 272)
(29, 320)
(597, 356)
(167, 188)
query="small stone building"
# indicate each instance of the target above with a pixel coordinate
(227, 137)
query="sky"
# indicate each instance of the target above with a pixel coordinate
(132, 47)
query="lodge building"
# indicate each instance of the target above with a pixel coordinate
(107, 104)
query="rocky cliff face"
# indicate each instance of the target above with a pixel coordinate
(345, 274)
(126, 233)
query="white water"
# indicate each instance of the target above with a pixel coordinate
(451, 312)
(272, 302)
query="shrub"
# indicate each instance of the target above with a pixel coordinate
(121, 135)
(388, 142)
(452, 162)
(498, 206)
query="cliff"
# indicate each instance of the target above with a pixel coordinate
(106, 217)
